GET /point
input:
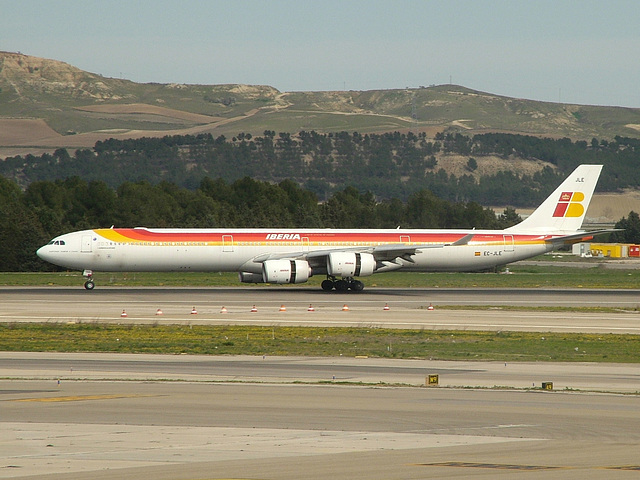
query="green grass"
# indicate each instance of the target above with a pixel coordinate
(384, 343)
(316, 341)
(523, 276)
(66, 279)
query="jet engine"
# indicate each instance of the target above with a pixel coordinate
(286, 271)
(347, 264)
(248, 277)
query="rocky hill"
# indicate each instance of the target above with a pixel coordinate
(31, 80)
(45, 104)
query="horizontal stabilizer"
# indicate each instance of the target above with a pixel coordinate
(580, 236)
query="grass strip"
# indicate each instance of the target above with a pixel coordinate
(592, 275)
(317, 341)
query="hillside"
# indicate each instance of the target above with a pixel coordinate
(45, 104)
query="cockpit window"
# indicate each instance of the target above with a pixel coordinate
(56, 242)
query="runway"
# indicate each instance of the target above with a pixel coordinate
(133, 426)
(587, 377)
(407, 308)
(108, 416)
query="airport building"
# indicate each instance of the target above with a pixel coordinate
(608, 250)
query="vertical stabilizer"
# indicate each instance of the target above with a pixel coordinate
(564, 210)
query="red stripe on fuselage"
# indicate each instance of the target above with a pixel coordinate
(313, 237)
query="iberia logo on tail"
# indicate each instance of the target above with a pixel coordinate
(570, 205)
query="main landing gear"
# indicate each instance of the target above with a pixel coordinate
(89, 284)
(342, 285)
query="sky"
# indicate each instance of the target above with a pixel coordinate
(584, 52)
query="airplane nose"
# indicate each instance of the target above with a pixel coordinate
(43, 253)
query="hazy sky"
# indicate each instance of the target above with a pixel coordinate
(584, 51)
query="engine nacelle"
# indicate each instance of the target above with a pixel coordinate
(248, 277)
(347, 264)
(286, 271)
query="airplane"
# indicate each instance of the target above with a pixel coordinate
(285, 256)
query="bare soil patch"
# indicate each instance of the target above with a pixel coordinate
(145, 109)
(613, 206)
(23, 131)
(489, 165)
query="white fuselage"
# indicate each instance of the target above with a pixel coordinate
(225, 250)
(276, 255)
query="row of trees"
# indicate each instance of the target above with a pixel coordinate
(390, 165)
(310, 180)
(30, 218)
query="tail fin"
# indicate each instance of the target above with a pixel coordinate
(565, 208)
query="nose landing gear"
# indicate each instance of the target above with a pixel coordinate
(89, 284)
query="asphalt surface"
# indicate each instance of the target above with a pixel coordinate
(407, 308)
(113, 416)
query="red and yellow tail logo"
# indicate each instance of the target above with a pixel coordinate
(570, 205)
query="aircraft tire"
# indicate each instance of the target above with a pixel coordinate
(357, 286)
(89, 285)
(342, 285)
(327, 285)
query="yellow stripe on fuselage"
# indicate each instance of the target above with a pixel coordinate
(114, 236)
